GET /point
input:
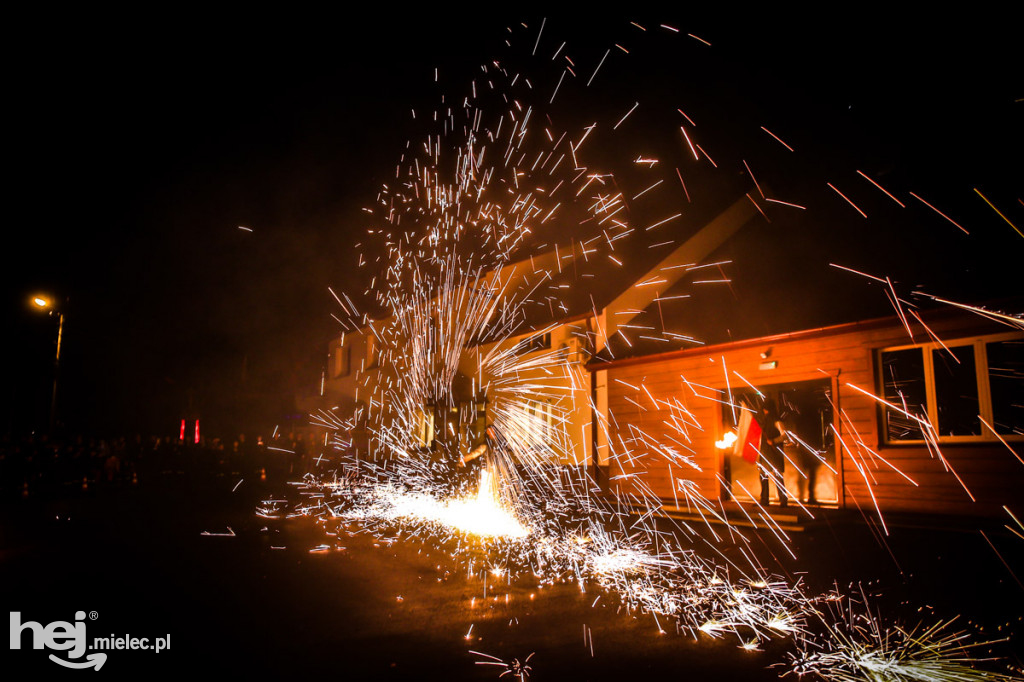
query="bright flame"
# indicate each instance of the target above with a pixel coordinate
(482, 515)
(727, 441)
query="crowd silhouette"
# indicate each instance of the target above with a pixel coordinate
(41, 465)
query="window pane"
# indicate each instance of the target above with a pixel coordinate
(903, 385)
(956, 391)
(534, 344)
(1006, 379)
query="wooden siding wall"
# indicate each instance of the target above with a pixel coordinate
(643, 426)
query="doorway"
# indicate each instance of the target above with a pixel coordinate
(805, 410)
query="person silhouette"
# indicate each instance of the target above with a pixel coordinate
(773, 464)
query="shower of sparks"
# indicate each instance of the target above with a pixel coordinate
(859, 647)
(466, 259)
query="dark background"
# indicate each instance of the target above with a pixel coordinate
(137, 143)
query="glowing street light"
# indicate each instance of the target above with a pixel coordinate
(43, 303)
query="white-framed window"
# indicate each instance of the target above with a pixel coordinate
(957, 389)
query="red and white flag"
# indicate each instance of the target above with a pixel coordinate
(749, 438)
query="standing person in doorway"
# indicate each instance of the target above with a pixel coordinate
(773, 464)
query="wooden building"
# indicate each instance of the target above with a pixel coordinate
(864, 395)
(902, 413)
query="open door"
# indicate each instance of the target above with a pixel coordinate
(810, 473)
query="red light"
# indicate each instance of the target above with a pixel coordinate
(181, 433)
(197, 431)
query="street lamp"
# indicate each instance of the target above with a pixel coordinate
(44, 303)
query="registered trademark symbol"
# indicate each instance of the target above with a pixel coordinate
(93, 615)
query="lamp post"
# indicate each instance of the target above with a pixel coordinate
(43, 303)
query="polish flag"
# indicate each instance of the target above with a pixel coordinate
(749, 438)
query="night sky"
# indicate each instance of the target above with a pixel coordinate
(136, 145)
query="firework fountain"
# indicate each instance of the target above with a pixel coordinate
(469, 241)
